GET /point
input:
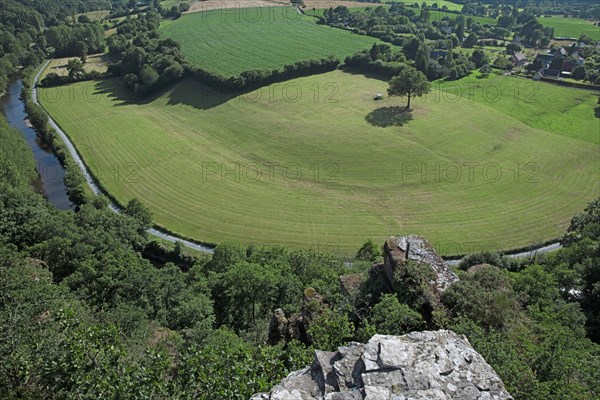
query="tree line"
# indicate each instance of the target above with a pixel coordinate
(382, 60)
(20, 34)
(78, 40)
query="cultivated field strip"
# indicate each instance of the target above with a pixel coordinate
(228, 42)
(571, 27)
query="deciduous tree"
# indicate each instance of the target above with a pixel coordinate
(409, 82)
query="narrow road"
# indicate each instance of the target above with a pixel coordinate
(92, 184)
(173, 239)
(524, 254)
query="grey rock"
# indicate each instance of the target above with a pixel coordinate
(350, 366)
(430, 365)
(283, 328)
(323, 371)
(399, 249)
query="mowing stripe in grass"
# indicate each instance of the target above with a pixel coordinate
(228, 42)
(195, 162)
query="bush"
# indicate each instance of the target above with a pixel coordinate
(363, 62)
(486, 257)
(579, 73)
(390, 317)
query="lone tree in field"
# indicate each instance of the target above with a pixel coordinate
(75, 69)
(409, 82)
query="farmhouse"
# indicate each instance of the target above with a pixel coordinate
(545, 73)
(572, 61)
(518, 59)
(545, 59)
(562, 52)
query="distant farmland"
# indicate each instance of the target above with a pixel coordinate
(228, 42)
(571, 27)
(451, 6)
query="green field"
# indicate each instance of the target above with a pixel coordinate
(96, 62)
(484, 20)
(570, 112)
(228, 42)
(571, 27)
(339, 168)
(167, 4)
(441, 3)
(438, 15)
(321, 11)
(94, 15)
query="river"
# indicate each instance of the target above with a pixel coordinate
(50, 182)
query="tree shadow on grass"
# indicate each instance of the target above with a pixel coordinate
(184, 91)
(117, 93)
(389, 116)
(204, 97)
(372, 75)
(597, 112)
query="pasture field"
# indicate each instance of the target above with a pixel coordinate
(484, 20)
(324, 4)
(571, 27)
(570, 113)
(94, 15)
(321, 11)
(451, 6)
(167, 4)
(316, 162)
(95, 62)
(228, 42)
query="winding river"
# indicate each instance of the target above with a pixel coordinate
(51, 182)
(51, 174)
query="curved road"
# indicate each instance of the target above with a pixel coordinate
(173, 239)
(92, 184)
(531, 253)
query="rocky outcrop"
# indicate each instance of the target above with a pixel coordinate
(296, 326)
(431, 365)
(400, 249)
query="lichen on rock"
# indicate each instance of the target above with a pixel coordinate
(429, 365)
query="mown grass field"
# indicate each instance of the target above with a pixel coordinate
(553, 108)
(228, 42)
(571, 27)
(316, 162)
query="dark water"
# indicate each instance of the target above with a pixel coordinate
(51, 182)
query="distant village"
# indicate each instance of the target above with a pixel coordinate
(564, 59)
